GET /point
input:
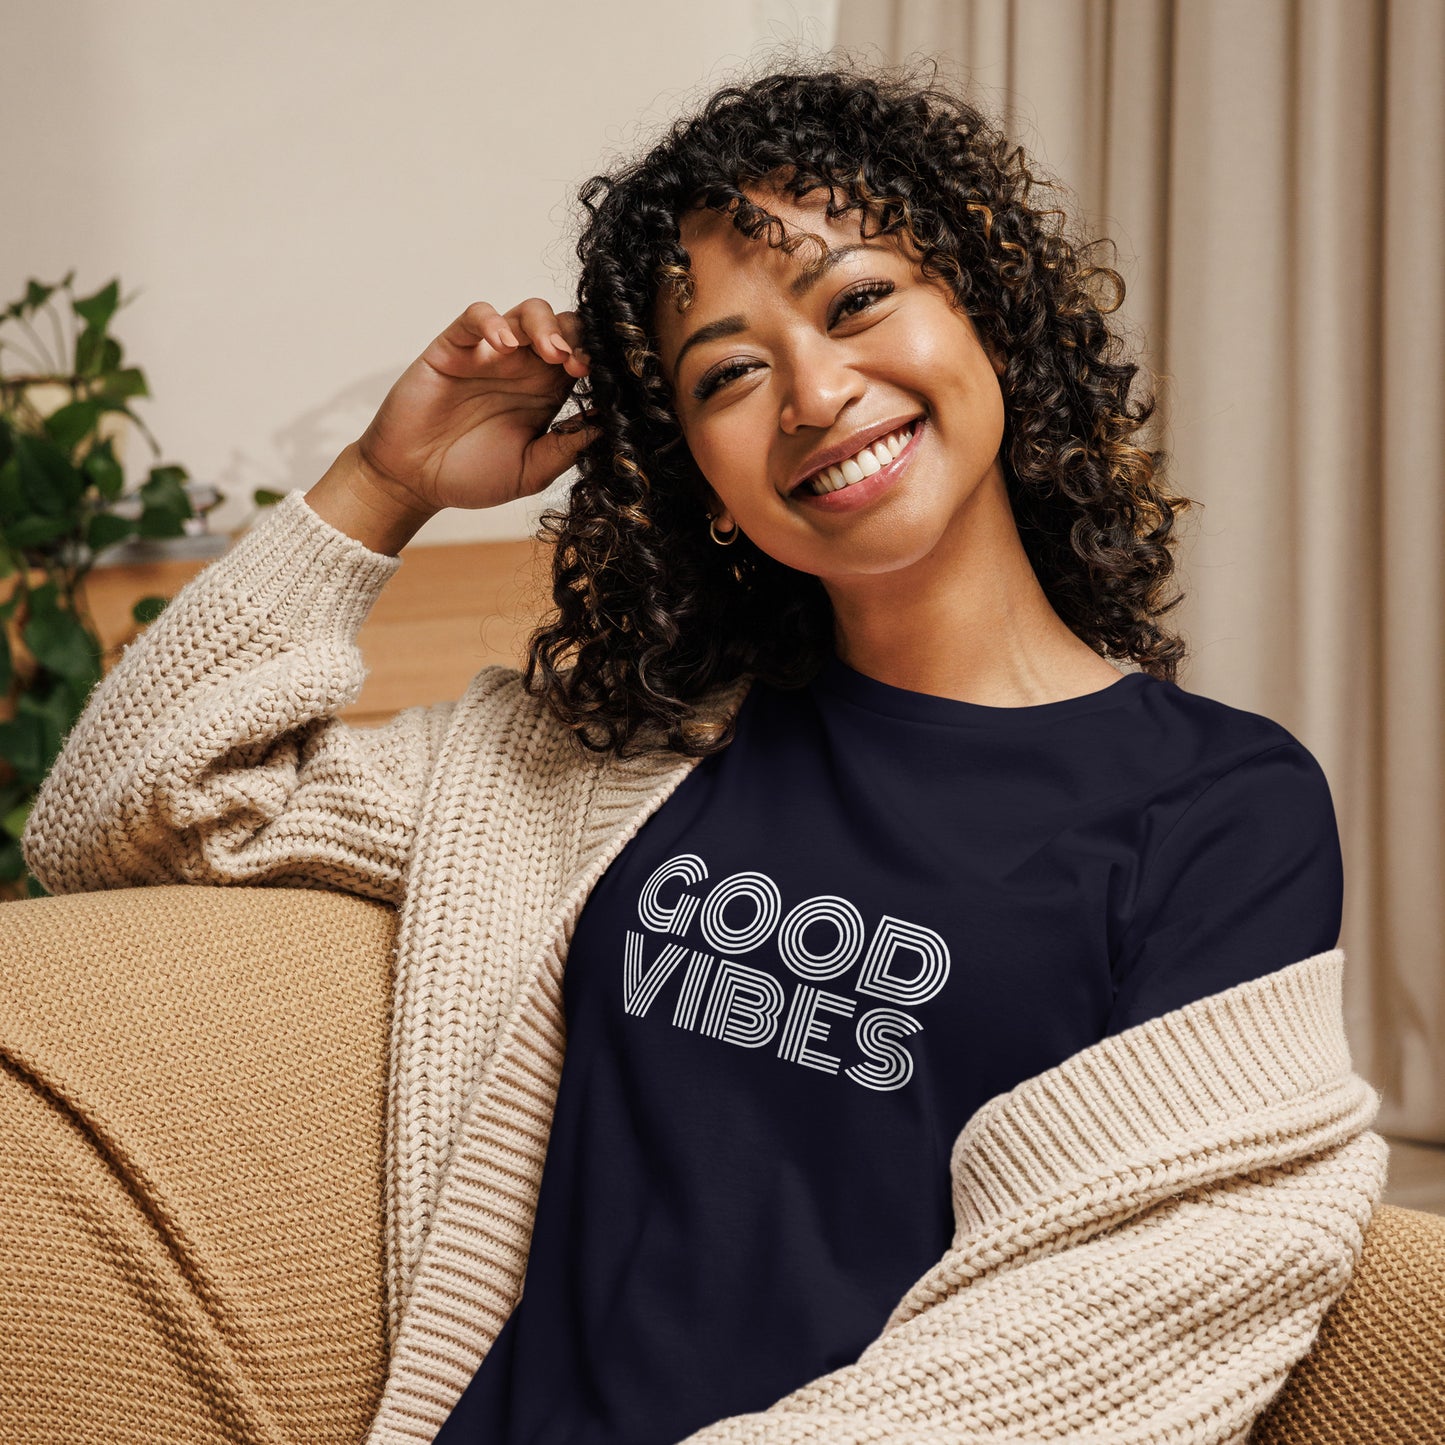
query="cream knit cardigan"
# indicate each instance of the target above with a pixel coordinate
(1148, 1234)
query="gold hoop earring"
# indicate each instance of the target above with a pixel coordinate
(726, 541)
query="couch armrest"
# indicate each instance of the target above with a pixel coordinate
(192, 1112)
(1376, 1371)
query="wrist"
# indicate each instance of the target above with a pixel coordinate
(360, 501)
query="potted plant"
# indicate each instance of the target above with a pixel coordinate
(63, 413)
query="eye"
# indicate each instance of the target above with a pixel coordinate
(717, 376)
(867, 293)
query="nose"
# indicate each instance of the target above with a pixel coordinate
(820, 382)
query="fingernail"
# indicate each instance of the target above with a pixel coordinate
(507, 337)
(559, 343)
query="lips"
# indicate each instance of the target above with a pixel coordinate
(849, 447)
(861, 495)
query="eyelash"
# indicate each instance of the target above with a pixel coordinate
(872, 290)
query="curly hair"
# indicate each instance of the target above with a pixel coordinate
(652, 614)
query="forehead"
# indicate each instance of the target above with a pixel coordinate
(726, 266)
(708, 235)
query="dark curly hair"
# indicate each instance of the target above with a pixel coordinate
(649, 612)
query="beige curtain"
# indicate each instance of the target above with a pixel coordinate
(1273, 172)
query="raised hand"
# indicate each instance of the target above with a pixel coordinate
(469, 422)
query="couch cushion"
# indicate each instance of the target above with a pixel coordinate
(191, 1151)
(1376, 1371)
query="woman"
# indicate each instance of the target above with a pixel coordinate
(950, 1020)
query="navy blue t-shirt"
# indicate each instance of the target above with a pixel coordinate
(872, 912)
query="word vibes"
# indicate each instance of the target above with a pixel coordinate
(720, 995)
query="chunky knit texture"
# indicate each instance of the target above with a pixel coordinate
(1148, 1235)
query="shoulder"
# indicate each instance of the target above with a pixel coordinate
(1240, 869)
(1213, 754)
(1233, 806)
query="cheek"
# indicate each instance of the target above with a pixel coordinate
(728, 452)
(957, 373)
(945, 352)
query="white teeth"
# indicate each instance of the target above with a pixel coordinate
(871, 459)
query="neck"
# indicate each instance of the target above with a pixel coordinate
(967, 620)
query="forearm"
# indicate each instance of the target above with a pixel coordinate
(210, 752)
(355, 501)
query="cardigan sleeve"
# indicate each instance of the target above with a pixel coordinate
(1248, 879)
(1149, 1236)
(1177, 1328)
(210, 752)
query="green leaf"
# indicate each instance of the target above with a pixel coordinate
(51, 484)
(102, 468)
(36, 295)
(12, 494)
(97, 310)
(66, 426)
(105, 529)
(167, 506)
(128, 382)
(7, 666)
(13, 822)
(34, 530)
(90, 352)
(262, 497)
(167, 484)
(12, 861)
(70, 698)
(107, 402)
(148, 609)
(45, 596)
(22, 745)
(60, 642)
(109, 355)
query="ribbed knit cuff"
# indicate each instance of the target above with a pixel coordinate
(320, 579)
(1261, 1045)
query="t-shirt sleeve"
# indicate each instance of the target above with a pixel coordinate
(1249, 879)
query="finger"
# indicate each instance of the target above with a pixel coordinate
(542, 329)
(551, 453)
(570, 325)
(586, 418)
(481, 322)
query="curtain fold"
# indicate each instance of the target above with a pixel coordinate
(1273, 174)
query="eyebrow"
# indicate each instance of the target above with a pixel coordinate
(731, 325)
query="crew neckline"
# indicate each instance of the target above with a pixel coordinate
(841, 680)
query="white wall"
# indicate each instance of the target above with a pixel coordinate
(300, 196)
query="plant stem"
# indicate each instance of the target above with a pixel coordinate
(54, 313)
(39, 365)
(35, 337)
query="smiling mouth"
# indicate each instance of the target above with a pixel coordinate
(865, 463)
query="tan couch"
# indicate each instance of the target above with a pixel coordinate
(191, 1126)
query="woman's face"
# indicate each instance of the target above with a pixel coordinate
(780, 366)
